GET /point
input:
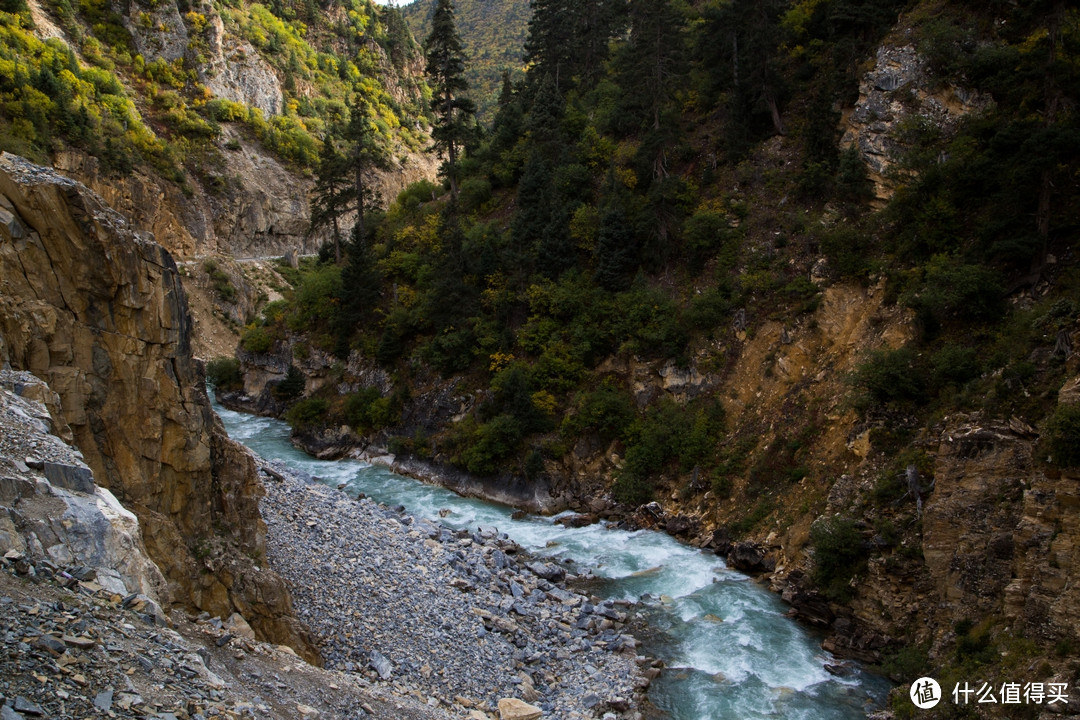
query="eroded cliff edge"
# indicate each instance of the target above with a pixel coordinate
(97, 311)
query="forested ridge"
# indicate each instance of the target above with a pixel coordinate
(133, 87)
(666, 171)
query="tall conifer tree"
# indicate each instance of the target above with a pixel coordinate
(341, 184)
(332, 193)
(446, 71)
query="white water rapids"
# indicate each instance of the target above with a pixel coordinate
(728, 648)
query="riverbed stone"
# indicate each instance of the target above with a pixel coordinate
(514, 709)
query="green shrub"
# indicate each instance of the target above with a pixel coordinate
(721, 484)
(647, 322)
(358, 407)
(906, 663)
(491, 443)
(451, 351)
(512, 396)
(558, 369)
(711, 309)
(668, 432)
(804, 294)
(632, 489)
(954, 364)
(474, 192)
(367, 410)
(847, 250)
(256, 340)
(419, 192)
(607, 411)
(222, 284)
(291, 386)
(534, 464)
(1061, 435)
(891, 376)
(954, 291)
(317, 299)
(224, 374)
(308, 413)
(703, 234)
(973, 643)
(839, 554)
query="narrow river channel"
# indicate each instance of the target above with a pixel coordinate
(728, 648)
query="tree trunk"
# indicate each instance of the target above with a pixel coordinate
(360, 231)
(337, 241)
(735, 60)
(770, 100)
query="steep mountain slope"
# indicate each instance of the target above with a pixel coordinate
(204, 123)
(96, 310)
(494, 33)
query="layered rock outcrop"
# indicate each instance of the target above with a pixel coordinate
(50, 507)
(900, 90)
(998, 542)
(96, 310)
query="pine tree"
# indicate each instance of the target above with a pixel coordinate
(545, 118)
(549, 48)
(568, 39)
(341, 184)
(654, 57)
(508, 119)
(598, 22)
(368, 153)
(737, 44)
(616, 250)
(650, 71)
(332, 192)
(446, 73)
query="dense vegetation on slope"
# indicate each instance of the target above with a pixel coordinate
(102, 96)
(493, 32)
(618, 207)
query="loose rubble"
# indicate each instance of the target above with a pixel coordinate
(82, 632)
(69, 649)
(461, 618)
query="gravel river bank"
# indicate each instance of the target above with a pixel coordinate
(462, 617)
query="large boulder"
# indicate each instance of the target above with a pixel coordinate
(514, 709)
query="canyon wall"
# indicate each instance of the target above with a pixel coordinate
(96, 310)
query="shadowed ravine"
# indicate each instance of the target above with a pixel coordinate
(729, 650)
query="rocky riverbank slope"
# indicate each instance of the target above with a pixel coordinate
(84, 627)
(463, 618)
(73, 649)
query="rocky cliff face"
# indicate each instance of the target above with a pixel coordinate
(998, 539)
(261, 208)
(900, 90)
(96, 310)
(51, 510)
